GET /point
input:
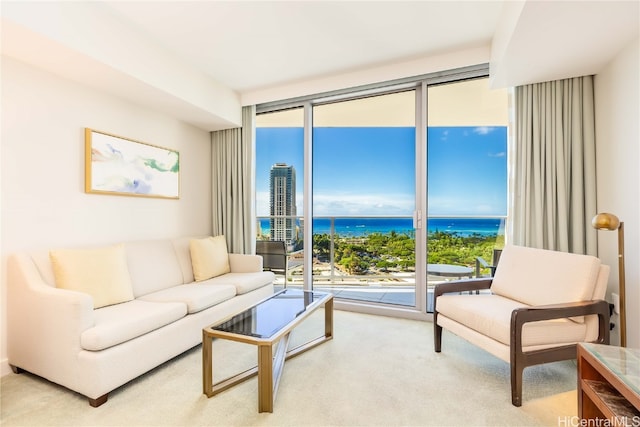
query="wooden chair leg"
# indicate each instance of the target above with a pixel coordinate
(516, 384)
(98, 401)
(437, 336)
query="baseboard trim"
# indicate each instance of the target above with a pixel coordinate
(5, 369)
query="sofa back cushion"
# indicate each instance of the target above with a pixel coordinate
(540, 276)
(183, 252)
(153, 265)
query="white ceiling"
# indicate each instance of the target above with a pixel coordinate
(253, 45)
(246, 47)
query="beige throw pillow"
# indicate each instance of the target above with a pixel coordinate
(100, 272)
(209, 257)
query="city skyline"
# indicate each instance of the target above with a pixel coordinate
(356, 173)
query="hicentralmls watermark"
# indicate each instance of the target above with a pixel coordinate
(576, 421)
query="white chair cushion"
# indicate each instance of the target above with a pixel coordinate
(541, 277)
(122, 322)
(490, 315)
(197, 296)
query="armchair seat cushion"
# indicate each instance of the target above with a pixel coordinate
(490, 315)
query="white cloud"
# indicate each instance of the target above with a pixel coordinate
(362, 204)
(346, 204)
(483, 130)
(467, 206)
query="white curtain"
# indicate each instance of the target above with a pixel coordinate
(555, 169)
(233, 182)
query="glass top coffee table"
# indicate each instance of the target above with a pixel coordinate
(267, 323)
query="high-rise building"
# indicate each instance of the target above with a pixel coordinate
(283, 203)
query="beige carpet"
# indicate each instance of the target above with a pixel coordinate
(376, 371)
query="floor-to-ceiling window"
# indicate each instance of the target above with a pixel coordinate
(407, 183)
(466, 179)
(364, 162)
(279, 186)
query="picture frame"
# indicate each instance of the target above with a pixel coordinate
(120, 166)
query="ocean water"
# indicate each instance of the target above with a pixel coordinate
(359, 227)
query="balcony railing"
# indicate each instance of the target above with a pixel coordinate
(380, 251)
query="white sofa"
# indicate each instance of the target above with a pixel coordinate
(57, 334)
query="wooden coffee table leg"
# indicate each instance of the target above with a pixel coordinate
(328, 319)
(265, 377)
(207, 365)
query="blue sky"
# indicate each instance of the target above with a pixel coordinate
(371, 170)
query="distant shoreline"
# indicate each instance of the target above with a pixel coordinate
(362, 227)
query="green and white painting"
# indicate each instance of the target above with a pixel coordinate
(116, 165)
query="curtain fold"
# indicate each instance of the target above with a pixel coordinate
(233, 183)
(555, 169)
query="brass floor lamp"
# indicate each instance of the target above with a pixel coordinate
(610, 222)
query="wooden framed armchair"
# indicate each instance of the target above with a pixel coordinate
(539, 304)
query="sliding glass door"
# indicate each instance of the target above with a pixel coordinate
(279, 190)
(364, 198)
(467, 179)
(404, 186)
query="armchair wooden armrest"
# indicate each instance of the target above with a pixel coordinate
(523, 315)
(520, 316)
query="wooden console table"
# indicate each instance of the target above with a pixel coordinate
(609, 384)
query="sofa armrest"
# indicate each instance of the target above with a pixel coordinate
(44, 323)
(244, 263)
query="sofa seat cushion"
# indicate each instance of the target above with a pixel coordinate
(196, 296)
(118, 323)
(490, 315)
(243, 282)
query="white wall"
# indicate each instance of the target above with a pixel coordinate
(43, 200)
(618, 178)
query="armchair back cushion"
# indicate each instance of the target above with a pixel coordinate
(541, 277)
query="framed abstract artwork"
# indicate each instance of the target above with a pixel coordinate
(124, 167)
